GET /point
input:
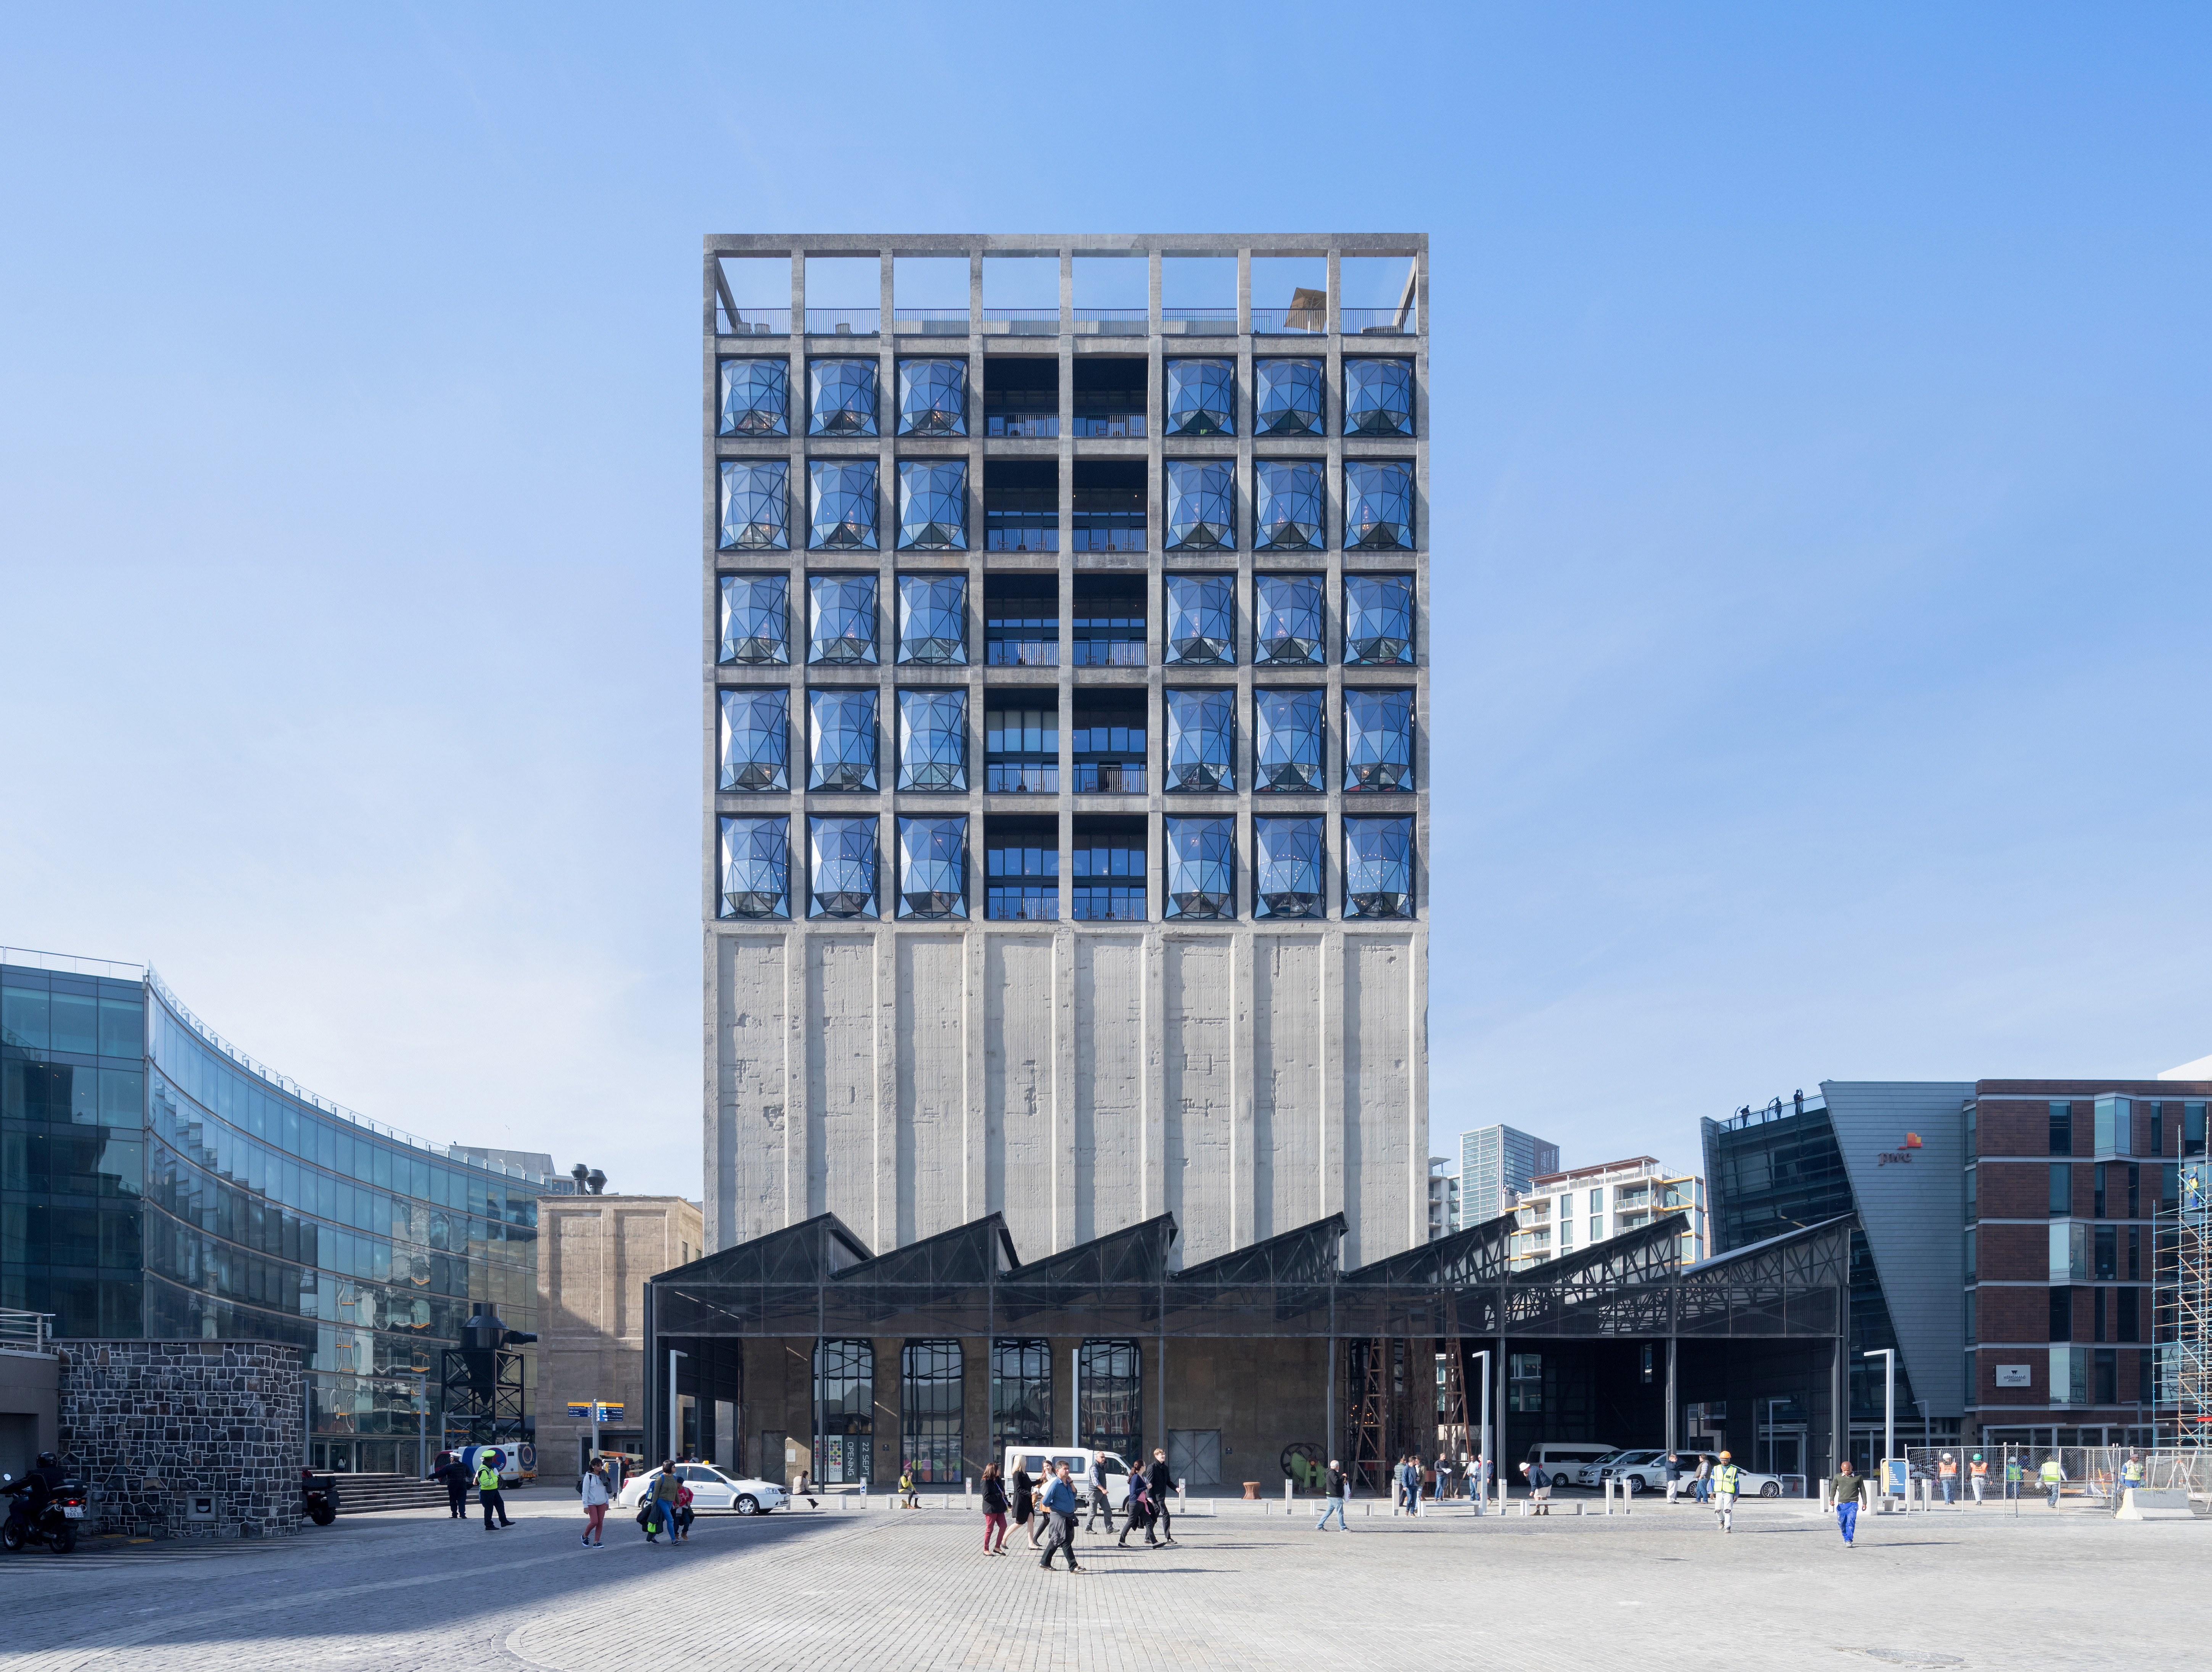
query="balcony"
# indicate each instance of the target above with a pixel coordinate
(752, 321)
(1021, 322)
(1109, 777)
(1021, 621)
(1109, 504)
(929, 322)
(1306, 316)
(1199, 321)
(1022, 426)
(1112, 321)
(1109, 398)
(844, 321)
(1098, 650)
(1021, 398)
(1021, 506)
(1378, 321)
(1021, 777)
(1020, 653)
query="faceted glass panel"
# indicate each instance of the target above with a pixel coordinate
(933, 505)
(1378, 739)
(933, 611)
(1286, 869)
(1378, 507)
(755, 867)
(756, 398)
(756, 739)
(1201, 627)
(841, 613)
(755, 505)
(1378, 619)
(1287, 739)
(1286, 506)
(843, 398)
(1378, 398)
(933, 397)
(1286, 611)
(933, 739)
(844, 505)
(933, 879)
(1378, 868)
(844, 730)
(756, 620)
(1201, 398)
(1202, 739)
(1201, 506)
(1201, 867)
(842, 883)
(1286, 397)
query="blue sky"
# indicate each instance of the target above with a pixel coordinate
(1819, 530)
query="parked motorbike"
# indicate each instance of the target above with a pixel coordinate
(319, 1494)
(55, 1526)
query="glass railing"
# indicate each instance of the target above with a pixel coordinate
(1109, 902)
(1022, 426)
(1199, 321)
(1290, 321)
(1021, 777)
(1119, 426)
(1094, 532)
(844, 321)
(1022, 653)
(1375, 322)
(1022, 321)
(1109, 653)
(1003, 538)
(929, 321)
(1109, 777)
(752, 321)
(1022, 902)
(1114, 321)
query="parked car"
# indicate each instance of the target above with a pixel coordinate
(1037, 1459)
(712, 1493)
(1643, 1471)
(1564, 1460)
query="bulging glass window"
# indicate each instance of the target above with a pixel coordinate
(756, 398)
(844, 511)
(1378, 398)
(755, 867)
(756, 739)
(1286, 397)
(933, 397)
(1287, 739)
(932, 620)
(1286, 612)
(1378, 739)
(1378, 868)
(933, 505)
(1287, 506)
(1201, 398)
(844, 739)
(841, 611)
(933, 879)
(1201, 625)
(755, 505)
(1287, 866)
(1201, 506)
(1202, 739)
(1378, 619)
(1201, 868)
(843, 398)
(933, 739)
(841, 880)
(756, 620)
(1378, 506)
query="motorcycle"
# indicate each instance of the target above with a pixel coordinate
(56, 1526)
(319, 1494)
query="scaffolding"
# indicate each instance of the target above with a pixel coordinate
(1452, 1439)
(1369, 1363)
(2182, 1395)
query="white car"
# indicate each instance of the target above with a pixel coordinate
(712, 1493)
(1643, 1471)
(1750, 1483)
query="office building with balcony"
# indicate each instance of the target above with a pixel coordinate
(1065, 737)
(1495, 1164)
(1560, 1211)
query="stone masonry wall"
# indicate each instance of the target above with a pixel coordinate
(153, 1424)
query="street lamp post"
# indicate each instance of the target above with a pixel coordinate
(1888, 1356)
(675, 1431)
(1482, 1487)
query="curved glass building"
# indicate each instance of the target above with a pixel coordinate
(156, 1181)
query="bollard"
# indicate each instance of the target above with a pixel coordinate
(967, 1487)
(1286, 1497)
(1182, 1494)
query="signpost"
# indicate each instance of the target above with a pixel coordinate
(597, 1411)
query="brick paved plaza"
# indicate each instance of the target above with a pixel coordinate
(890, 1589)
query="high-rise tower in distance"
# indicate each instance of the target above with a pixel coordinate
(1066, 735)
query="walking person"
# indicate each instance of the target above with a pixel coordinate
(660, 1504)
(1060, 1503)
(1702, 1482)
(2054, 1477)
(1139, 1518)
(1848, 1492)
(994, 1511)
(596, 1499)
(1947, 1470)
(1673, 1474)
(1337, 1487)
(457, 1485)
(1978, 1473)
(1025, 1512)
(1162, 1484)
(684, 1513)
(1540, 1488)
(1728, 1480)
(1100, 1503)
(2131, 1472)
(2012, 1475)
(488, 1464)
(1477, 1483)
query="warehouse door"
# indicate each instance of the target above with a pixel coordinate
(1194, 1456)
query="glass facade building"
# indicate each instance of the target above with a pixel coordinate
(159, 1183)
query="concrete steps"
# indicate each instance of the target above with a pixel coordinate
(365, 1494)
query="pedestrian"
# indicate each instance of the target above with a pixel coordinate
(596, 1499)
(2054, 1477)
(1702, 1482)
(1847, 1491)
(1060, 1503)
(1477, 1483)
(660, 1504)
(1728, 1480)
(684, 1513)
(1978, 1473)
(1025, 1513)
(994, 1511)
(1337, 1500)
(1139, 1507)
(456, 1478)
(1163, 1484)
(1100, 1503)
(1673, 1474)
(2011, 1474)
(2131, 1472)
(907, 1498)
(1540, 1488)
(488, 1464)
(1947, 1470)
(1443, 1476)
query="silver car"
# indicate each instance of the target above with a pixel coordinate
(712, 1493)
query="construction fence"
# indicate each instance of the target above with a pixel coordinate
(2090, 1477)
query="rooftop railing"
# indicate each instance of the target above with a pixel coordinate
(1376, 321)
(65, 963)
(844, 321)
(752, 321)
(1112, 321)
(929, 321)
(27, 1332)
(1199, 321)
(1292, 321)
(1022, 321)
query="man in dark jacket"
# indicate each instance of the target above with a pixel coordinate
(457, 1485)
(1336, 1495)
(1162, 1484)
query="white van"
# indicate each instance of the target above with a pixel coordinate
(1040, 1459)
(1564, 1460)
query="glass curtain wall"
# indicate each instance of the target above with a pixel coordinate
(1109, 1397)
(929, 1409)
(1021, 1393)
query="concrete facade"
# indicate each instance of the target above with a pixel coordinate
(1248, 1074)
